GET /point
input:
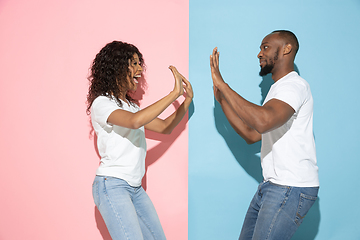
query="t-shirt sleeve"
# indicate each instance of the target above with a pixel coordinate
(292, 94)
(102, 107)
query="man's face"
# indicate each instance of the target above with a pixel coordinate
(269, 53)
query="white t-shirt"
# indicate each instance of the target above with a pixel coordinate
(288, 155)
(122, 150)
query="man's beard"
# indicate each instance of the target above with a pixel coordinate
(266, 69)
(269, 67)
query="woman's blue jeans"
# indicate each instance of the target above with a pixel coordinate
(276, 211)
(127, 211)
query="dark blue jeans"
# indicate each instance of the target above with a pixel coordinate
(276, 211)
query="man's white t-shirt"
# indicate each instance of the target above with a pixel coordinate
(288, 155)
(122, 150)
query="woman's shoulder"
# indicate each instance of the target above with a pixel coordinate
(101, 100)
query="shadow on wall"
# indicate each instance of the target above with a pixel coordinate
(310, 226)
(100, 224)
(165, 142)
(249, 158)
(153, 154)
(246, 155)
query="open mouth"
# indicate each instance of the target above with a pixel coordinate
(135, 78)
(262, 62)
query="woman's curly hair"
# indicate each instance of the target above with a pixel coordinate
(109, 71)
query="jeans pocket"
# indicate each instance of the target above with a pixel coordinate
(305, 203)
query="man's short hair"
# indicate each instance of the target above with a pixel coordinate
(289, 37)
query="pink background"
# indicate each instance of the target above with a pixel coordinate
(47, 148)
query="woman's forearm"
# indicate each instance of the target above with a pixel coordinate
(136, 120)
(167, 125)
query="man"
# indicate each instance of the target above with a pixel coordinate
(284, 123)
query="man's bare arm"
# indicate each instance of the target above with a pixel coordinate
(249, 134)
(261, 118)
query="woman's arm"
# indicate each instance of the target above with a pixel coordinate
(167, 125)
(136, 120)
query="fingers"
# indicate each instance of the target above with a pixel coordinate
(215, 70)
(188, 89)
(214, 59)
(173, 70)
(186, 84)
(214, 52)
(185, 80)
(179, 87)
(176, 72)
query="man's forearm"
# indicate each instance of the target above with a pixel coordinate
(249, 134)
(251, 114)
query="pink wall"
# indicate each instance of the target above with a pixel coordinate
(47, 151)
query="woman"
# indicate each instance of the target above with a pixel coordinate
(119, 125)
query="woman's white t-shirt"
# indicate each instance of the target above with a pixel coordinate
(122, 150)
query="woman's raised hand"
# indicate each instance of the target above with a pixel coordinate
(181, 83)
(188, 88)
(178, 87)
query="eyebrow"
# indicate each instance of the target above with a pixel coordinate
(263, 44)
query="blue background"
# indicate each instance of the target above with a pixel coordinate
(223, 170)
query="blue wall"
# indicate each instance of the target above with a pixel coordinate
(223, 170)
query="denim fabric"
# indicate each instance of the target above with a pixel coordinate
(127, 211)
(276, 211)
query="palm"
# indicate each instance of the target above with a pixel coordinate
(215, 71)
(178, 87)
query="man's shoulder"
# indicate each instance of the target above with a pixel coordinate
(295, 80)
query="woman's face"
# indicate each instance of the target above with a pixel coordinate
(135, 72)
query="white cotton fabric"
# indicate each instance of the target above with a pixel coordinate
(288, 155)
(122, 150)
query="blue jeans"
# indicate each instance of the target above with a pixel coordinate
(127, 211)
(276, 211)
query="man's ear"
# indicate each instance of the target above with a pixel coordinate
(287, 49)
